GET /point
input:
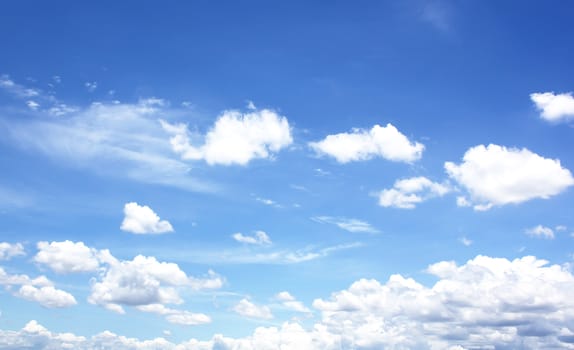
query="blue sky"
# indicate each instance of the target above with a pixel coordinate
(298, 175)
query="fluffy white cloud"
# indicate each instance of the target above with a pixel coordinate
(9, 250)
(259, 238)
(554, 107)
(248, 309)
(39, 289)
(144, 281)
(407, 193)
(16, 89)
(541, 232)
(68, 257)
(386, 142)
(235, 138)
(46, 296)
(351, 225)
(141, 219)
(486, 303)
(289, 302)
(496, 175)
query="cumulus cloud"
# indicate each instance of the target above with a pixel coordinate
(540, 232)
(39, 289)
(259, 238)
(289, 302)
(143, 220)
(495, 175)
(554, 107)
(235, 138)
(407, 193)
(68, 257)
(351, 225)
(248, 309)
(143, 281)
(485, 303)
(10, 250)
(181, 317)
(386, 142)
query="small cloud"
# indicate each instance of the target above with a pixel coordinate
(143, 220)
(187, 104)
(251, 105)
(33, 105)
(351, 225)
(407, 193)
(268, 201)
(560, 228)
(321, 172)
(91, 86)
(465, 241)
(290, 303)
(57, 79)
(9, 250)
(554, 107)
(540, 232)
(248, 309)
(260, 238)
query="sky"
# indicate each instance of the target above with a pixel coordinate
(257, 175)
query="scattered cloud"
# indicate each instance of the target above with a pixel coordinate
(16, 89)
(503, 309)
(386, 142)
(11, 250)
(495, 175)
(268, 202)
(289, 302)
(33, 105)
(554, 107)
(143, 220)
(181, 317)
(248, 309)
(560, 228)
(69, 257)
(540, 232)
(351, 225)
(465, 241)
(407, 193)
(91, 86)
(259, 238)
(235, 138)
(39, 289)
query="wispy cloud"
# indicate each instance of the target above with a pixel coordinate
(351, 225)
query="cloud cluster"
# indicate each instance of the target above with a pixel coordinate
(69, 257)
(496, 175)
(486, 303)
(351, 225)
(10, 250)
(381, 141)
(235, 138)
(554, 107)
(259, 238)
(407, 193)
(141, 219)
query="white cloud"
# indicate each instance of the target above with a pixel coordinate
(260, 238)
(465, 241)
(47, 296)
(540, 232)
(407, 193)
(68, 257)
(16, 89)
(561, 228)
(248, 309)
(9, 250)
(143, 220)
(39, 289)
(496, 175)
(351, 225)
(181, 317)
(554, 107)
(268, 202)
(145, 280)
(486, 303)
(386, 142)
(33, 105)
(91, 86)
(289, 302)
(235, 138)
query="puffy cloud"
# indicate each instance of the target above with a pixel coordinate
(9, 250)
(386, 142)
(39, 289)
(144, 281)
(496, 175)
(260, 238)
(68, 257)
(351, 225)
(180, 317)
(289, 302)
(554, 107)
(486, 303)
(540, 232)
(48, 296)
(248, 309)
(407, 193)
(235, 138)
(143, 220)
